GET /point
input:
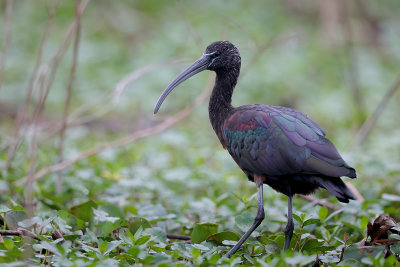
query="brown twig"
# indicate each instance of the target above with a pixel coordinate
(20, 232)
(7, 38)
(141, 133)
(319, 202)
(60, 54)
(78, 14)
(355, 192)
(12, 149)
(367, 126)
(178, 237)
(77, 117)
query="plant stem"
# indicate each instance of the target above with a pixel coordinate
(299, 238)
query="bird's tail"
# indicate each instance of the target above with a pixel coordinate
(336, 186)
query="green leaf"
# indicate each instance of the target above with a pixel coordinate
(8, 244)
(355, 227)
(13, 217)
(113, 210)
(224, 235)
(112, 245)
(84, 211)
(202, 231)
(244, 220)
(71, 219)
(323, 212)
(196, 253)
(126, 237)
(355, 252)
(311, 221)
(109, 227)
(51, 247)
(136, 222)
(142, 240)
(4, 209)
(103, 247)
(312, 246)
(159, 234)
(297, 218)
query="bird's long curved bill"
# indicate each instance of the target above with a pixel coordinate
(198, 66)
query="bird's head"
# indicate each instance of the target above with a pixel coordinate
(219, 56)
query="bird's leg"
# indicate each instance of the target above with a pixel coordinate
(259, 180)
(290, 226)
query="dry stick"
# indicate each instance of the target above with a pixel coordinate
(77, 118)
(69, 92)
(319, 202)
(370, 122)
(21, 114)
(61, 52)
(179, 237)
(45, 90)
(141, 133)
(20, 232)
(7, 38)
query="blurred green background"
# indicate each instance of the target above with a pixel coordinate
(333, 60)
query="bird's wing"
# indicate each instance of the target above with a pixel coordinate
(277, 141)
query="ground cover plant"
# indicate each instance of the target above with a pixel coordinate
(90, 177)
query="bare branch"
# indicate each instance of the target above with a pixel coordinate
(20, 232)
(78, 15)
(21, 114)
(178, 237)
(355, 192)
(141, 133)
(319, 202)
(371, 121)
(77, 117)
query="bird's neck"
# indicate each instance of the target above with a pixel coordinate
(220, 105)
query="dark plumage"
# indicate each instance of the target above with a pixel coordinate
(278, 146)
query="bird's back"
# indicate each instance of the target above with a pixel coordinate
(288, 148)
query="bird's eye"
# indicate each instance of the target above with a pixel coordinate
(216, 54)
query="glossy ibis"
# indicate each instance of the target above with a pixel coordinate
(273, 145)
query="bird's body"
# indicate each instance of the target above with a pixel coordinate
(273, 145)
(286, 147)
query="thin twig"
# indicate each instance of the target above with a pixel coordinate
(366, 128)
(21, 113)
(7, 38)
(141, 133)
(61, 52)
(178, 237)
(319, 202)
(355, 192)
(77, 118)
(20, 232)
(78, 15)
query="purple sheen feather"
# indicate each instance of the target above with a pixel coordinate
(305, 131)
(327, 149)
(285, 123)
(254, 154)
(264, 121)
(296, 138)
(325, 168)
